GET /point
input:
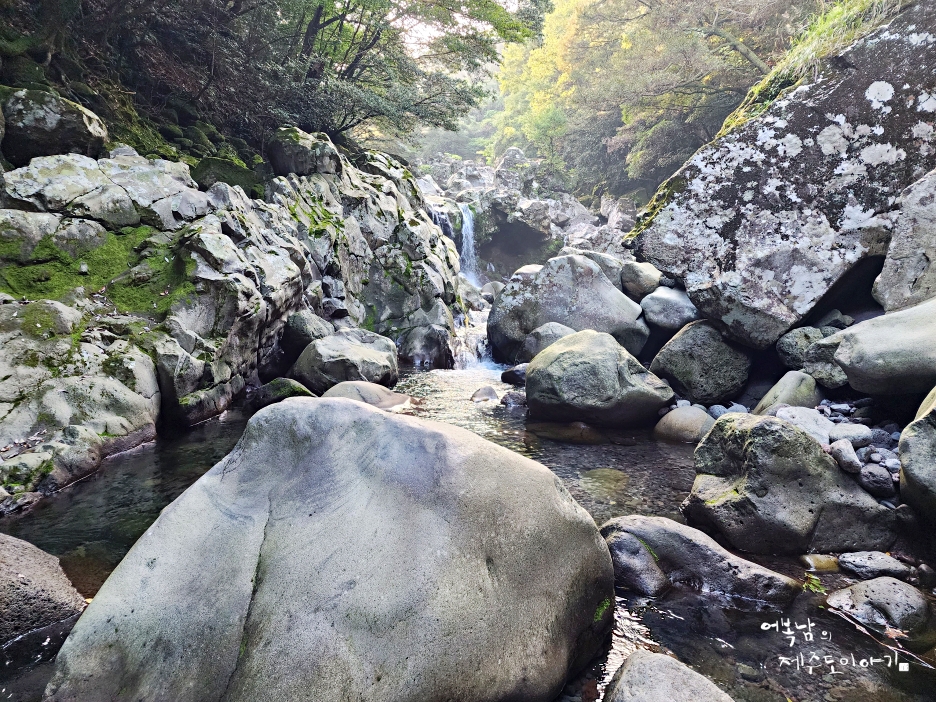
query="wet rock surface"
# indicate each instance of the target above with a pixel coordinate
(235, 561)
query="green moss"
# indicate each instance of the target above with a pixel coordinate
(170, 131)
(38, 320)
(108, 268)
(828, 34)
(211, 170)
(669, 188)
(602, 608)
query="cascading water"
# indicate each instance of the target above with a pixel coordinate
(469, 258)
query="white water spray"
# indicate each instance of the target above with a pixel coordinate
(469, 258)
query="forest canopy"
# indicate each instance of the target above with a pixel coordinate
(619, 93)
(252, 65)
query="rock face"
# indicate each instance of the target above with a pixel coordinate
(41, 124)
(570, 290)
(186, 297)
(768, 487)
(654, 677)
(887, 602)
(918, 460)
(806, 187)
(893, 354)
(691, 558)
(349, 354)
(483, 558)
(588, 376)
(34, 591)
(701, 364)
(908, 277)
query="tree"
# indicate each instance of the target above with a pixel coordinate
(641, 84)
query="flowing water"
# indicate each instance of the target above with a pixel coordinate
(469, 258)
(91, 525)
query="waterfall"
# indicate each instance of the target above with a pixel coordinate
(469, 259)
(442, 221)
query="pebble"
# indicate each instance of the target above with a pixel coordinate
(841, 408)
(893, 465)
(858, 434)
(485, 394)
(663, 411)
(716, 411)
(895, 436)
(891, 428)
(880, 437)
(927, 575)
(873, 564)
(876, 480)
(683, 403)
(844, 454)
(740, 409)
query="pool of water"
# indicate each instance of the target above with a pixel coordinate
(92, 524)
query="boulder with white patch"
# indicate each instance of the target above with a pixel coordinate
(760, 224)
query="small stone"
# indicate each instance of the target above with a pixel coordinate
(858, 434)
(876, 457)
(83, 268)
(515, 375)
(877, 480)
(863, 402)
(739, 409)
(514, 398)
(683, 403)
(873, 564)
(485, 394)
(891, 428)
(880, 437)
(836, 319)
(844, 454)
(895, 437)
(809, 420)
(927, 575)
(716, 411)
(663, 411)
(892, 464)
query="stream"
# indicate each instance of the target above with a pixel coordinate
(92, 524)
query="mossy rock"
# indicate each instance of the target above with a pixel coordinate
(185, 112)
(211, 170)
(183, 143)
(171, 131)
(23, 72)
(170, 115)
(198, 138)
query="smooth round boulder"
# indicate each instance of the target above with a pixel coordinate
(669, 308)
(858, 435)
(349, 354)
(887, 603)
(489, 291)
(540, 338)
(588, 376)
(794, 389)
(768, 487)
(515, 376)
(34, 591)
(655, 677)
(368, 393)
(428, 346)
(571, 290)
(639, 279)
(276, 390)
(809, 420)
(361, 554)
(873, 564)
(702, 365)
(685, 425)
(918, 461)
(692, 558)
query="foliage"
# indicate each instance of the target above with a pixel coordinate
(813, 584)
(622, 92)
(250, 66)
(828, 33)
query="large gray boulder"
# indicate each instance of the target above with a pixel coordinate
(792, 346)
(918, 460)
(693, 559)
(909, 277)
(887, 603)
(768, 487)
(368, 393)
(589, 377)
(42, 124)
(702, 365)
(892, 354)
(762, 222)
(34, 591)
(655, 677)
(360, 554)
(301, 329)
(669, 308)
(570, 290)
(349, 354)
(542, 337)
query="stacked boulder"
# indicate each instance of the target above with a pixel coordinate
(130, 297)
